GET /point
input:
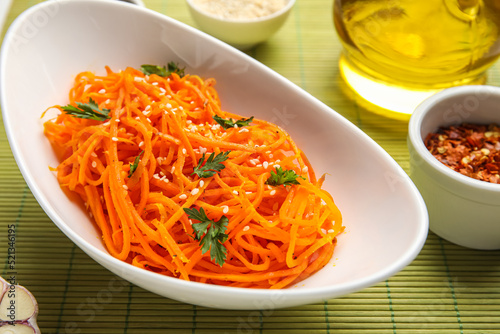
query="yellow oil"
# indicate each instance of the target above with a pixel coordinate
(398, 52)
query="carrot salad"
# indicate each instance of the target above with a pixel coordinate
(178, 186)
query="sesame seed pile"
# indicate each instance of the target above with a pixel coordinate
(242, 9)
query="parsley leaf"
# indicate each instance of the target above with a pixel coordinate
(229, 123)
(163, 71)
(212, 165)
(283, 177)
(134, 166)
(88, 110)
(211, 234)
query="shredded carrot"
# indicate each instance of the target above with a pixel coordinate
(277, 235)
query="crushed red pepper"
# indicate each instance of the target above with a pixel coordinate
(470, 149)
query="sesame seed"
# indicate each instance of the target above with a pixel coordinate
(265, 164)
(169, 96)
(235, 126)
(195, 191)
(166, 180)
(138, 118)
(172, 170)
(203, 150)
(161, 172)
(125, 187)
(181, 108)
(271, 156)
(156, 176)
(235, 192)
(154, 83)
(184, 151)
(147, 107)
(323, 231)
(138, 79)
(183, 196)
(273, 192)
(114, 139)
(117, 120)
(107, 101)
(169, 105)
(141, 144)
(259, 165)
(102, 91)
(331, 231)
(225, 209)
(202, 183)
(162, 90)
(246, 228)
(148, 119)
(190, 222)
(189, 121)
(243, 130)
(94, 164)
(305, 169)
(277, 166)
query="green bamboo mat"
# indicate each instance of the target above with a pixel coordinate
(446, 290)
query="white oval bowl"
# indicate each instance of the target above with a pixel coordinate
(461, 209)
(240, 33)
(385, 216)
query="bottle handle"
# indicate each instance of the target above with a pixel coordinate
(465, 10)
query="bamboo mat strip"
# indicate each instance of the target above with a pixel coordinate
(446, 290)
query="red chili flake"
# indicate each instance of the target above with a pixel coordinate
(470, 149)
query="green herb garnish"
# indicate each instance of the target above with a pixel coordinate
(211, 166)
(88, 110)
(163, 71)
(134, 166)
(283, 177)
(211, 234)
(230, 123)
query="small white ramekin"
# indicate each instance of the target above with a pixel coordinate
(461, 209)
(242, 34)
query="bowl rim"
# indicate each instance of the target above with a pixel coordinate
(415, 133)
(288, 6)
(104, 257)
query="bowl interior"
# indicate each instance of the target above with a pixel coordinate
(288, 5)
(384, 215)
(453, 106)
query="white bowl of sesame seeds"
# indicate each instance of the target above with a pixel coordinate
(242, 24)
(384, 214)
